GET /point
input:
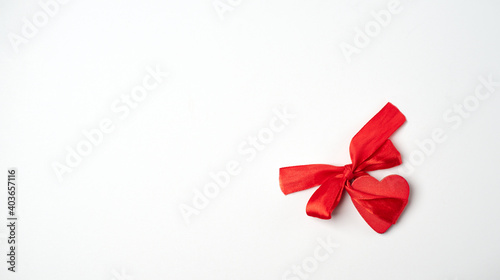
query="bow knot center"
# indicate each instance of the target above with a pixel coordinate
(348, 172)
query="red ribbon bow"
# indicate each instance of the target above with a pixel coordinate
(379, 203)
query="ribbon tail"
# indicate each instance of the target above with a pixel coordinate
(298, 178)
(380, 206)
(326, 198)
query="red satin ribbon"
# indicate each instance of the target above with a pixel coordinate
(370, 149)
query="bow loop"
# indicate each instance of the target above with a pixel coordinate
(375, 134)
(386, 156)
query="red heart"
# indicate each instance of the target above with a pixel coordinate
(379, 203)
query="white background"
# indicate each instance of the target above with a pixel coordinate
(116, 215)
